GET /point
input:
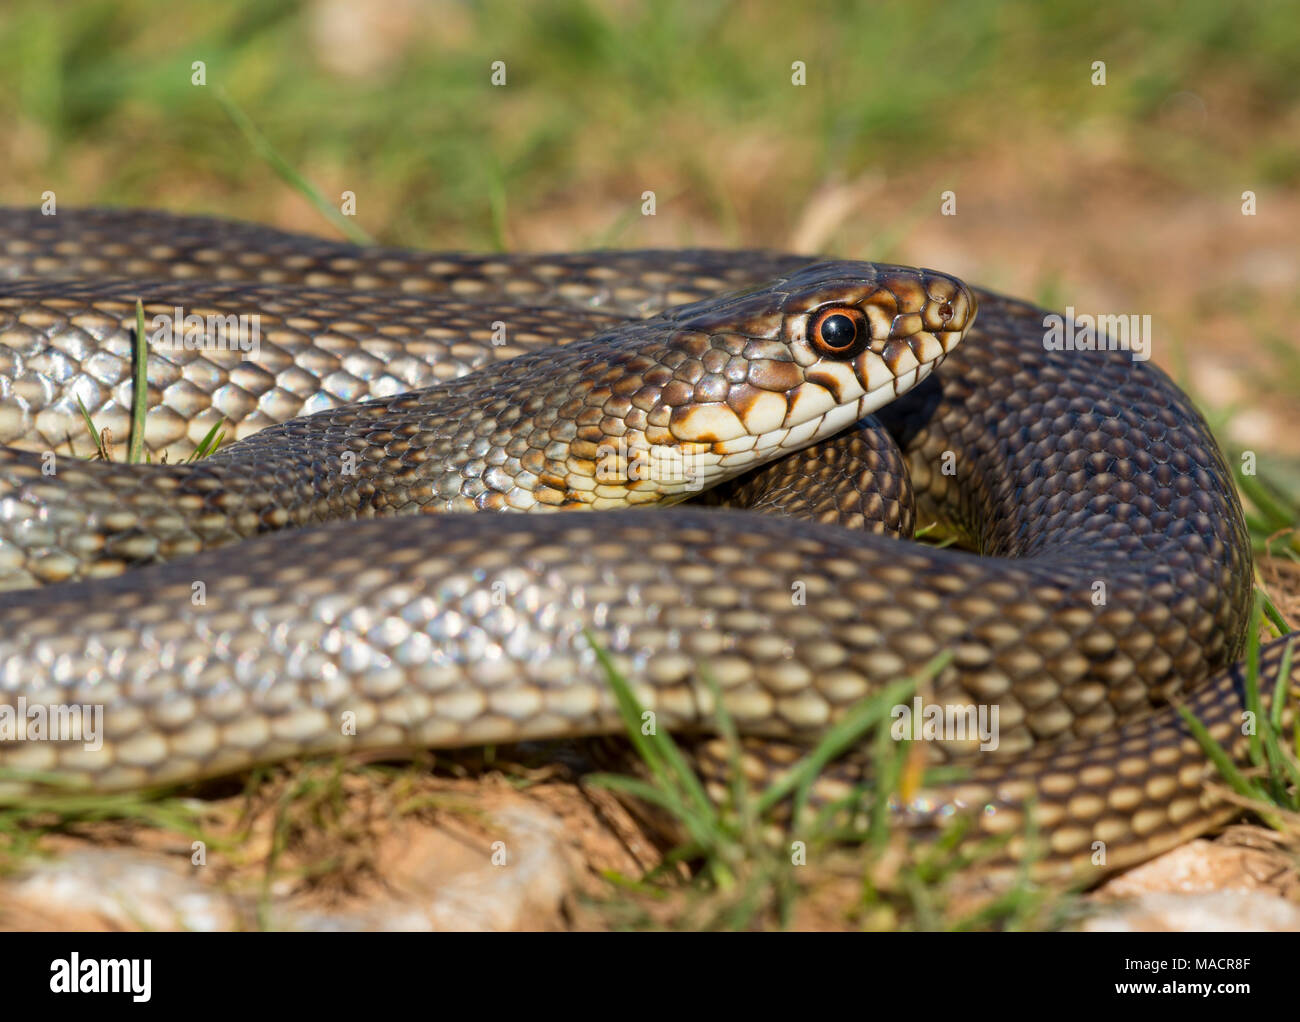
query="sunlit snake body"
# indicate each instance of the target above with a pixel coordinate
(1112, 574)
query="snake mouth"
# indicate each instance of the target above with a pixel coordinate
(840, 407)
(830, 399)
(684, 467)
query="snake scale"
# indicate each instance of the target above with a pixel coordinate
(1103, 566)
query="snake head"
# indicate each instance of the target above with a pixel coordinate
(665, 407)
(744, 378)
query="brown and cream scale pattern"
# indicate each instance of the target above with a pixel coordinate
(1063, 469)
(720, 385)
(108, 244)
(67, 341)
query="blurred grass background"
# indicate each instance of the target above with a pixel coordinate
(1122, 198)
(393, 100)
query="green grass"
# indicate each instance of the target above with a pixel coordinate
(738, 848)
(1270, 495)
(286, 171)
(1270, 785)
(742, 874)
(136, 454)
(27, 822)
(692, 99)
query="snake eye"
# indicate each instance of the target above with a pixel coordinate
(839, 331)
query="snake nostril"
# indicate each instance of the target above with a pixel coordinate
(946, 311)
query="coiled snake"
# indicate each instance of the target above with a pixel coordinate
(1112, 570)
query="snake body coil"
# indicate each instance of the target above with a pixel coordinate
(1106, 570)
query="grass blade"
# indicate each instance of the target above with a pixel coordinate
(139, 388)
(212, 440)
(286, 171)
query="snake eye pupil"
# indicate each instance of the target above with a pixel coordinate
(838, 331)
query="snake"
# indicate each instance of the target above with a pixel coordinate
(382, 558)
